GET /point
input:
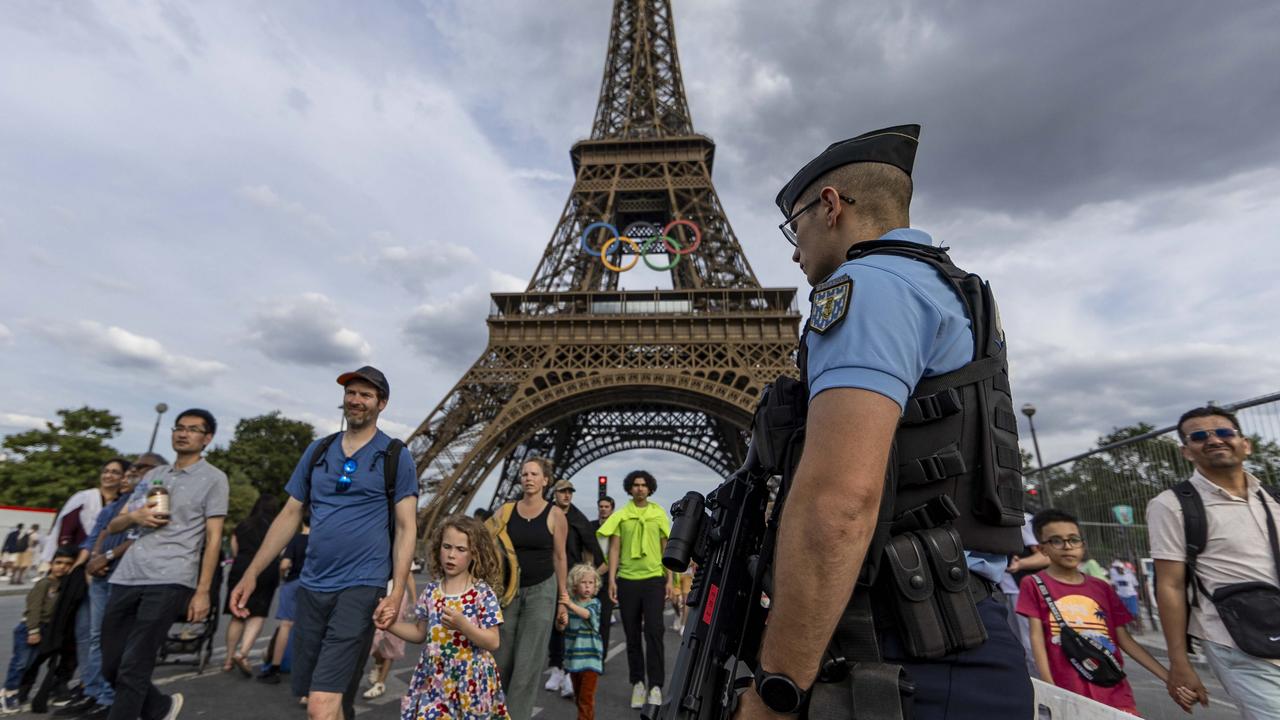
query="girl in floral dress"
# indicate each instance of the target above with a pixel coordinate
(458, 618)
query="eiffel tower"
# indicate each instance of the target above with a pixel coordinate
(577, 369)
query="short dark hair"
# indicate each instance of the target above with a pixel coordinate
(482, 513)
(203, 414)
(66, 551)
(609, 500)
(151, 458)
(630, 480)
(1051, 515)
(1206, 411)
(123, 463)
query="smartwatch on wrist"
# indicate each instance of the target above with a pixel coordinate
(779, 692)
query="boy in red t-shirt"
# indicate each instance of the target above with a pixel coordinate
(1089, 605)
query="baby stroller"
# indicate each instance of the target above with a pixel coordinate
(194, 639)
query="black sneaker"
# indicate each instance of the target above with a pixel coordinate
(270, 676)
(97, 712)
(64, 697)
(75, 708)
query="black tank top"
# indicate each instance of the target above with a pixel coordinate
(533, 543)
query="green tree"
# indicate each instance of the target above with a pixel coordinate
(263, 452)
(45, 467)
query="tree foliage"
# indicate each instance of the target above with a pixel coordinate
(264, 451)
(44, 467)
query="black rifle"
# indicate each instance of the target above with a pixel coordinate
(727, 534)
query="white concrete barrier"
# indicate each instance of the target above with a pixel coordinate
(1054, 703)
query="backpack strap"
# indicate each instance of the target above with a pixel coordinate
(316, 456)
(1195, 528)
(390, 468)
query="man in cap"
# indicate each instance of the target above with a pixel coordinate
(903, 359)
(343, 592)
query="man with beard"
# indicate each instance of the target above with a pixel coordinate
(579, 547)
(1237, 547)
(343, 592)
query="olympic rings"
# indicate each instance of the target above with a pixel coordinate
(672, 244)
(697, 236)
(648, 246)
(604, 253)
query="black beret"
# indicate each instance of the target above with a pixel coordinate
(893, 145)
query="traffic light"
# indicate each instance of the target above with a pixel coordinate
(603, 487)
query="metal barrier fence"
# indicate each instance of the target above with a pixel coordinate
(1113, 483)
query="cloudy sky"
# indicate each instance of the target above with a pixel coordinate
(226, 204)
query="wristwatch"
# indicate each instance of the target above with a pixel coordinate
(109, 555)
(779, 692)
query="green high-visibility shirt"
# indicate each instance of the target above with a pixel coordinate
(641, 531)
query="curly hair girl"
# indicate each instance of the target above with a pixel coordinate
(485, 564)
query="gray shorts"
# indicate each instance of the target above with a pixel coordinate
(333, 632)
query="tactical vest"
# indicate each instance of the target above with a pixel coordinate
(958, 435)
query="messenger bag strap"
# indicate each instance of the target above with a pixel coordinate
(1053, 607)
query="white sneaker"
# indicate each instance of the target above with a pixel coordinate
(566, 686)
(9, 702)
(373, 675)
(553, 682)
(375, 691)
(637, 696)
(175, 706)
(655, 695)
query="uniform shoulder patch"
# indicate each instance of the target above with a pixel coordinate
(831, 302)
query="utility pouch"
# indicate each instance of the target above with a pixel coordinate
(951, 594)
(910, 592)
(779, 416)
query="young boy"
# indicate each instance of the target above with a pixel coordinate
(35, 622)
(1089, 605)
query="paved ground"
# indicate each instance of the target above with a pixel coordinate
(215, 694)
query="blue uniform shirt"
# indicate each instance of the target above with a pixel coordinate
(349, 544)
(902, 322)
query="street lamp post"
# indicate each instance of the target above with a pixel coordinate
(161, 409)
(1030, 410)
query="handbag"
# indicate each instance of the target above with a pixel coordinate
(497, 526)
(1093, 661)
(1251, 610)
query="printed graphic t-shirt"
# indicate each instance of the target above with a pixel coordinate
(1092, 609)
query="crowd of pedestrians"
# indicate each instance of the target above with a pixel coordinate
(535, 584)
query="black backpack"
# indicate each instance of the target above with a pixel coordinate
(1250, 610)
(390, 467)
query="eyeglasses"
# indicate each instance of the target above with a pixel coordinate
(788, 226)
(1199, 436)
(1073, 541)
(348, 469)
(188, 430)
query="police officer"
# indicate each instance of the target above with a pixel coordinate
(903, 358)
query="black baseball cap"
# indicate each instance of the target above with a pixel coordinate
(369, 374)
(894, 146)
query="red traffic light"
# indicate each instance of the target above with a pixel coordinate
(604, 480)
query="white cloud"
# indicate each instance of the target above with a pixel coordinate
(450, 331)
(119, 348)
(6, 336)
(24, 422)
(265, 197)
(307, 330)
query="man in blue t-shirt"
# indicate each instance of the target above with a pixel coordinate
(349, 557)
(880, 325)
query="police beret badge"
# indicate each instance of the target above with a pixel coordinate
(830, 303)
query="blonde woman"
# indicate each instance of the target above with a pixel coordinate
(538, 530)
